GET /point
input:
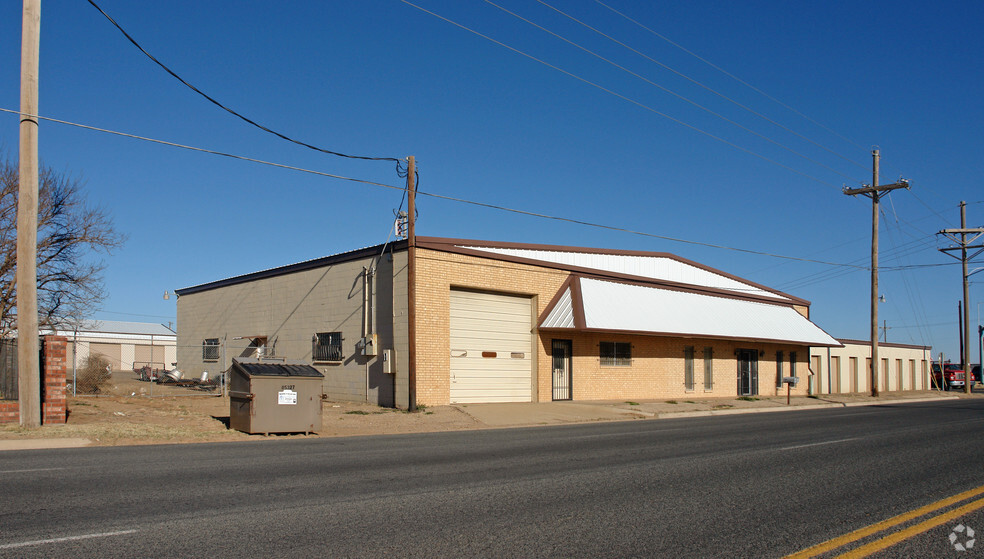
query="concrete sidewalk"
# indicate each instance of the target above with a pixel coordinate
(553, 413)
(363, 419)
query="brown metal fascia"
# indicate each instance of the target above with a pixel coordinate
(690, 336)
(554, 300)
(451, 245)
(594, 273)
(882, 344)
(322, 262)
(577, 304)
(704, 267)
(686, 288)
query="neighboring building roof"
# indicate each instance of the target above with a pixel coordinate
(587, 304)
(117, 327)
(867, 343)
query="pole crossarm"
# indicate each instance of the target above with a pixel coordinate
(952, 234)
(872, 191)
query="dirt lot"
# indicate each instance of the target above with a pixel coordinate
(133, 412)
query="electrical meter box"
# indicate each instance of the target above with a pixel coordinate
(389, 361)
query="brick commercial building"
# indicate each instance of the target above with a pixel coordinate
(499, 322)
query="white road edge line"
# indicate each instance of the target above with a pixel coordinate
(819, 444)
(66, 539)
(31, 470)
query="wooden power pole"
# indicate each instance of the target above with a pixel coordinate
(959, 236)
(411, 284)
(874, 191)
(28, 367)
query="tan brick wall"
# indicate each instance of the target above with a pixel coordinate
(437, 274)
(657, 369)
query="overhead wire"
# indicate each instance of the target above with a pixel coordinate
(667, 90)
(231, 111)
(435, 195)
(620, 96)
(202, 150)
(730, 75)
(915, 302)
(704, 86)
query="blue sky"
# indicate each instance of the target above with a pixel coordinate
(488, 124)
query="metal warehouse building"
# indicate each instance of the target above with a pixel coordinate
(505, 322)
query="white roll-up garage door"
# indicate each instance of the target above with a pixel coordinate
(491, 345)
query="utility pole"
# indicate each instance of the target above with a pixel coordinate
(28, 367)
(960, 236)
(885, 328)
(874, 191)
(411, 284)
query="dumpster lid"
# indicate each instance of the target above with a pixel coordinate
(265, 368)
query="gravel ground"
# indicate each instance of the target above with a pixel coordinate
(134, 412)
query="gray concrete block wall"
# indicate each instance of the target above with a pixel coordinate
(289, 310)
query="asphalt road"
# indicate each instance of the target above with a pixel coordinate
(758, 485)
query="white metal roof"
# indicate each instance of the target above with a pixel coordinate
(619, 306)
(654, 267)
(562, 315)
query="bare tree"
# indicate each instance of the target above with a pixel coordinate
(70, 233)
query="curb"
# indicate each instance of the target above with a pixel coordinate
(706, 413)
(40, 444)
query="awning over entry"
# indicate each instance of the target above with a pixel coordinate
(587, 304)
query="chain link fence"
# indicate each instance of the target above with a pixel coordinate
(113, 369)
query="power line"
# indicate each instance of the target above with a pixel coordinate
(230, 111)
(696, 82)
(730, 75)
(619, 95)
(634, 232)
(667, 90)
(202, 150)
(441, 196)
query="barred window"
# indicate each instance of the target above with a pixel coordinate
(616, 354)
(778, 369)
(688, 367)
(210, 349)
(708, 371)
(327, 346)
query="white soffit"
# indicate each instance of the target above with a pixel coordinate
(655, 267)
(618, 306)
(562, 315)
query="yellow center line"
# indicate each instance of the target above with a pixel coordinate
(917, 529)
(886, 524)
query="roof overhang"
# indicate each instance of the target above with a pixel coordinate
(597, 305)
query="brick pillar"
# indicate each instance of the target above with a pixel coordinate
(53, 394)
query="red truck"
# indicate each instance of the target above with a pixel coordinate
(950, 376)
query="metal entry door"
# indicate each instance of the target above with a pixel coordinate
(747, 372)
(561, 351)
